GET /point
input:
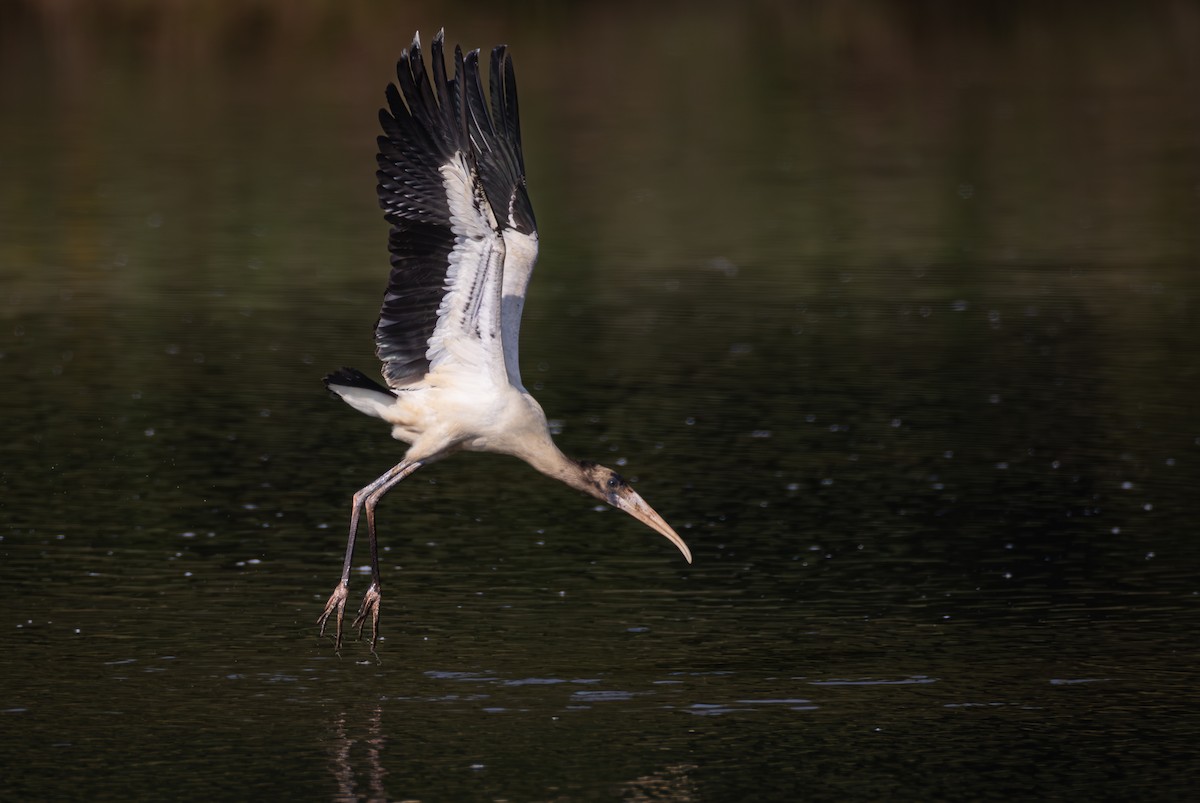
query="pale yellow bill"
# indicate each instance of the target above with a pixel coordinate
(635, 506)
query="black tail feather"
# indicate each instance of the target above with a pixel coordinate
(353, 378)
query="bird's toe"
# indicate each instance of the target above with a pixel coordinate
(335, 605)
(369, 607)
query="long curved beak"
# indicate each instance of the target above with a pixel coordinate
(635, 506)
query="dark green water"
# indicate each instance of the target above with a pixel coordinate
(891, 312)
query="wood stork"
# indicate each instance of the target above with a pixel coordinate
(463, 244)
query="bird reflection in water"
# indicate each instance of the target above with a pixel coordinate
(342, 756)
(671, 783)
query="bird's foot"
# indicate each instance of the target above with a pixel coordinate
(336, 604)
(369, 607)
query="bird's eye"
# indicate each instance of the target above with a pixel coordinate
(613, 482)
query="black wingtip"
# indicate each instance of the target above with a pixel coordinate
(353, 378)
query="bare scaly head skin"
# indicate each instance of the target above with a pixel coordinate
(610, 487)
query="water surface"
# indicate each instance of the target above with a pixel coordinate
(892, 314)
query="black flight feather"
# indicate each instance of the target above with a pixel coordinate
(426, 123)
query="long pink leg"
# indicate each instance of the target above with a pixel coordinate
(367, 498)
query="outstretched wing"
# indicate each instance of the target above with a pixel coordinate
(463, 238)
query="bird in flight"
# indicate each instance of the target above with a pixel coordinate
(463, 244)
